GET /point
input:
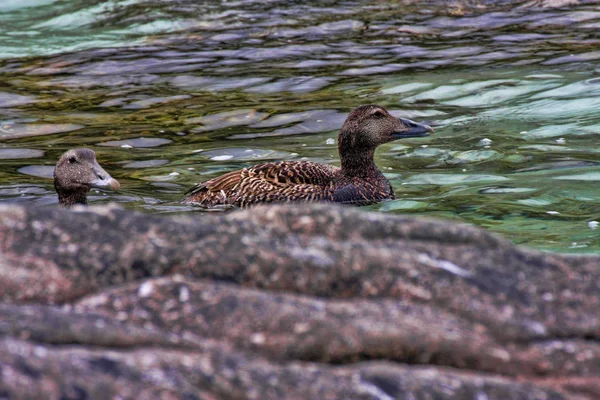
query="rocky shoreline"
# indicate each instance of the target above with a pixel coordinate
(306, 301)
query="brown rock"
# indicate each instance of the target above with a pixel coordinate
(289, 302)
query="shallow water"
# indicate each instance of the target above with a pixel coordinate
(169, 93)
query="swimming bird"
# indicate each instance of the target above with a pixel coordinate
(357, 181)
(76, 172)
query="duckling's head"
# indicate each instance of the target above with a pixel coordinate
(76, 173)
(368, 126)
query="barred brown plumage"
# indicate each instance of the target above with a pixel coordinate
(357, 181)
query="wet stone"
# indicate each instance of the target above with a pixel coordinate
(225, 120)
(42, 171)
(137, 142)
(243, 154)
(14, 131)
(13, 100)
(16, 153)
(145, 164)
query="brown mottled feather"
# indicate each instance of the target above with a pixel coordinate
(269, 182)
(224, 182)
(358, 181)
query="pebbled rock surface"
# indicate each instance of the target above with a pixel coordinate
(298, 302)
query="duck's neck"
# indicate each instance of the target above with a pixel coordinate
(359, 163)
(71, 198)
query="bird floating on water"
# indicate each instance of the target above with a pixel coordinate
(76, 172)
(357, 181)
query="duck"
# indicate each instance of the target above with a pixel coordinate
(357, 181)
(76, 172)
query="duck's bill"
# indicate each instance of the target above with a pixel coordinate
(107, 183)
(104, 180)
(413, 129)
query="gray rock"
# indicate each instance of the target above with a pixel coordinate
(302, 301)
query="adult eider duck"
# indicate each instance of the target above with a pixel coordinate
(357, 181)
(76, 173)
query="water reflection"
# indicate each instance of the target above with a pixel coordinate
(171, 94)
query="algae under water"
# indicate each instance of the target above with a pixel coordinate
(170, 93)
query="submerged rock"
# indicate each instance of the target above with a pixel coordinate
(302, 301)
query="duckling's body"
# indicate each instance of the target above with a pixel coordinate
(76, 172)
(357, 181)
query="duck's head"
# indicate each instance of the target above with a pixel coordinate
(76, 172)
(368, 126)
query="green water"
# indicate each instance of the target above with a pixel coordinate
(170, 93)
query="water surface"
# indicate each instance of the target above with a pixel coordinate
(169, 93)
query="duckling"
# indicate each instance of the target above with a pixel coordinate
(357, 181)
(75, 173)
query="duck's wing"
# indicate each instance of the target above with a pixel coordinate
(224, 182)
(291, 173)
(277, 181)
(206, 192)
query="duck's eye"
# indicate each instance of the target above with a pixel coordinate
(378, 113)
(72, 160)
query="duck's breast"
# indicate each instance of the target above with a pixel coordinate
(360, 191)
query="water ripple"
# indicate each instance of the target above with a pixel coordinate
(170, 93)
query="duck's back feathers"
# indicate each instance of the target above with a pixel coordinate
(263, 183)
(224, 182)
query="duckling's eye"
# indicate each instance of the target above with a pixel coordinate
(378, 113)
(72, 160)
